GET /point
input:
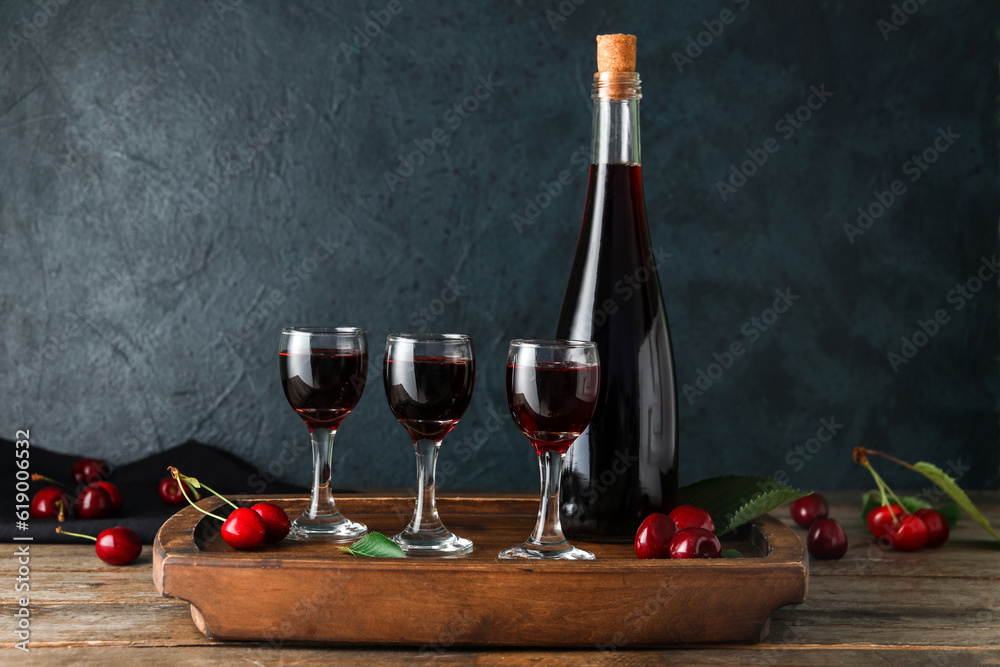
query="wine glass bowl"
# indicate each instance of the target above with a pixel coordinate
(323, 374)
(428, 381)
(552, 389)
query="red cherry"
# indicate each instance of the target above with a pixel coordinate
(244, 529)
(808, 509)
(115, 546)
(937, 527)
(653, 538)
(276, 523)
(171, 494)
(689, 516)
(113, 492)
(910, 534)
(118, 545)
(695, 543)
(826, 539)
(93, 503)
(86, 471)
(47, 503)
(880, 518)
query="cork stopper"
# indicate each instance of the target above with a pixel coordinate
(616, 53)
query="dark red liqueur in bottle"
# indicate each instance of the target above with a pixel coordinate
(624, 466)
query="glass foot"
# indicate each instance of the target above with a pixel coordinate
(327, 529)
(565, 551)
(441, 544)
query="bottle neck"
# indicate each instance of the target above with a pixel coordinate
(616, 98)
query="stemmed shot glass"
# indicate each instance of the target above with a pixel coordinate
(428, 383)
(552, 388)
(323, 373)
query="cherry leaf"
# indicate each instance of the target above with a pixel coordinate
(375, 545)
(734, 500)
(949, 486)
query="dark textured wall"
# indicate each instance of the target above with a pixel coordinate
(182, 179)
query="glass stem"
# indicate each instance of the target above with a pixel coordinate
(425, 515)
(548, 530)
(321, 503)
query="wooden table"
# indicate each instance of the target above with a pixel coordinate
(937, 606)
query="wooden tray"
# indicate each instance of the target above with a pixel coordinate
(295, 591)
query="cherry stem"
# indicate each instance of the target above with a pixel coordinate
(175, 473)
(37, 477)
(883, 455)
(66, 532)
(201, 485)
(882, 488)
(212, 491)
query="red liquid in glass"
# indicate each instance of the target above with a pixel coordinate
(323, 385)
(552, 402)
(428, 395)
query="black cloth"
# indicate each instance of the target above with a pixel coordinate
(139, 481)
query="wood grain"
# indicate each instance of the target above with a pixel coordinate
(296, 592)
(932, 607)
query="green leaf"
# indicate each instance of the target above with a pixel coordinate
(949, 486)
(869, 501)
(734, 500)
(911, 504)
(731, 553)
(375, 545)
(950, 513)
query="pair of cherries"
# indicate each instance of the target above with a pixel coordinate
(687, 532)
(908, 532)
(98, 499)
(245, 527)
(826, 539)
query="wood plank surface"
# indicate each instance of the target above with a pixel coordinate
(930, 607)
